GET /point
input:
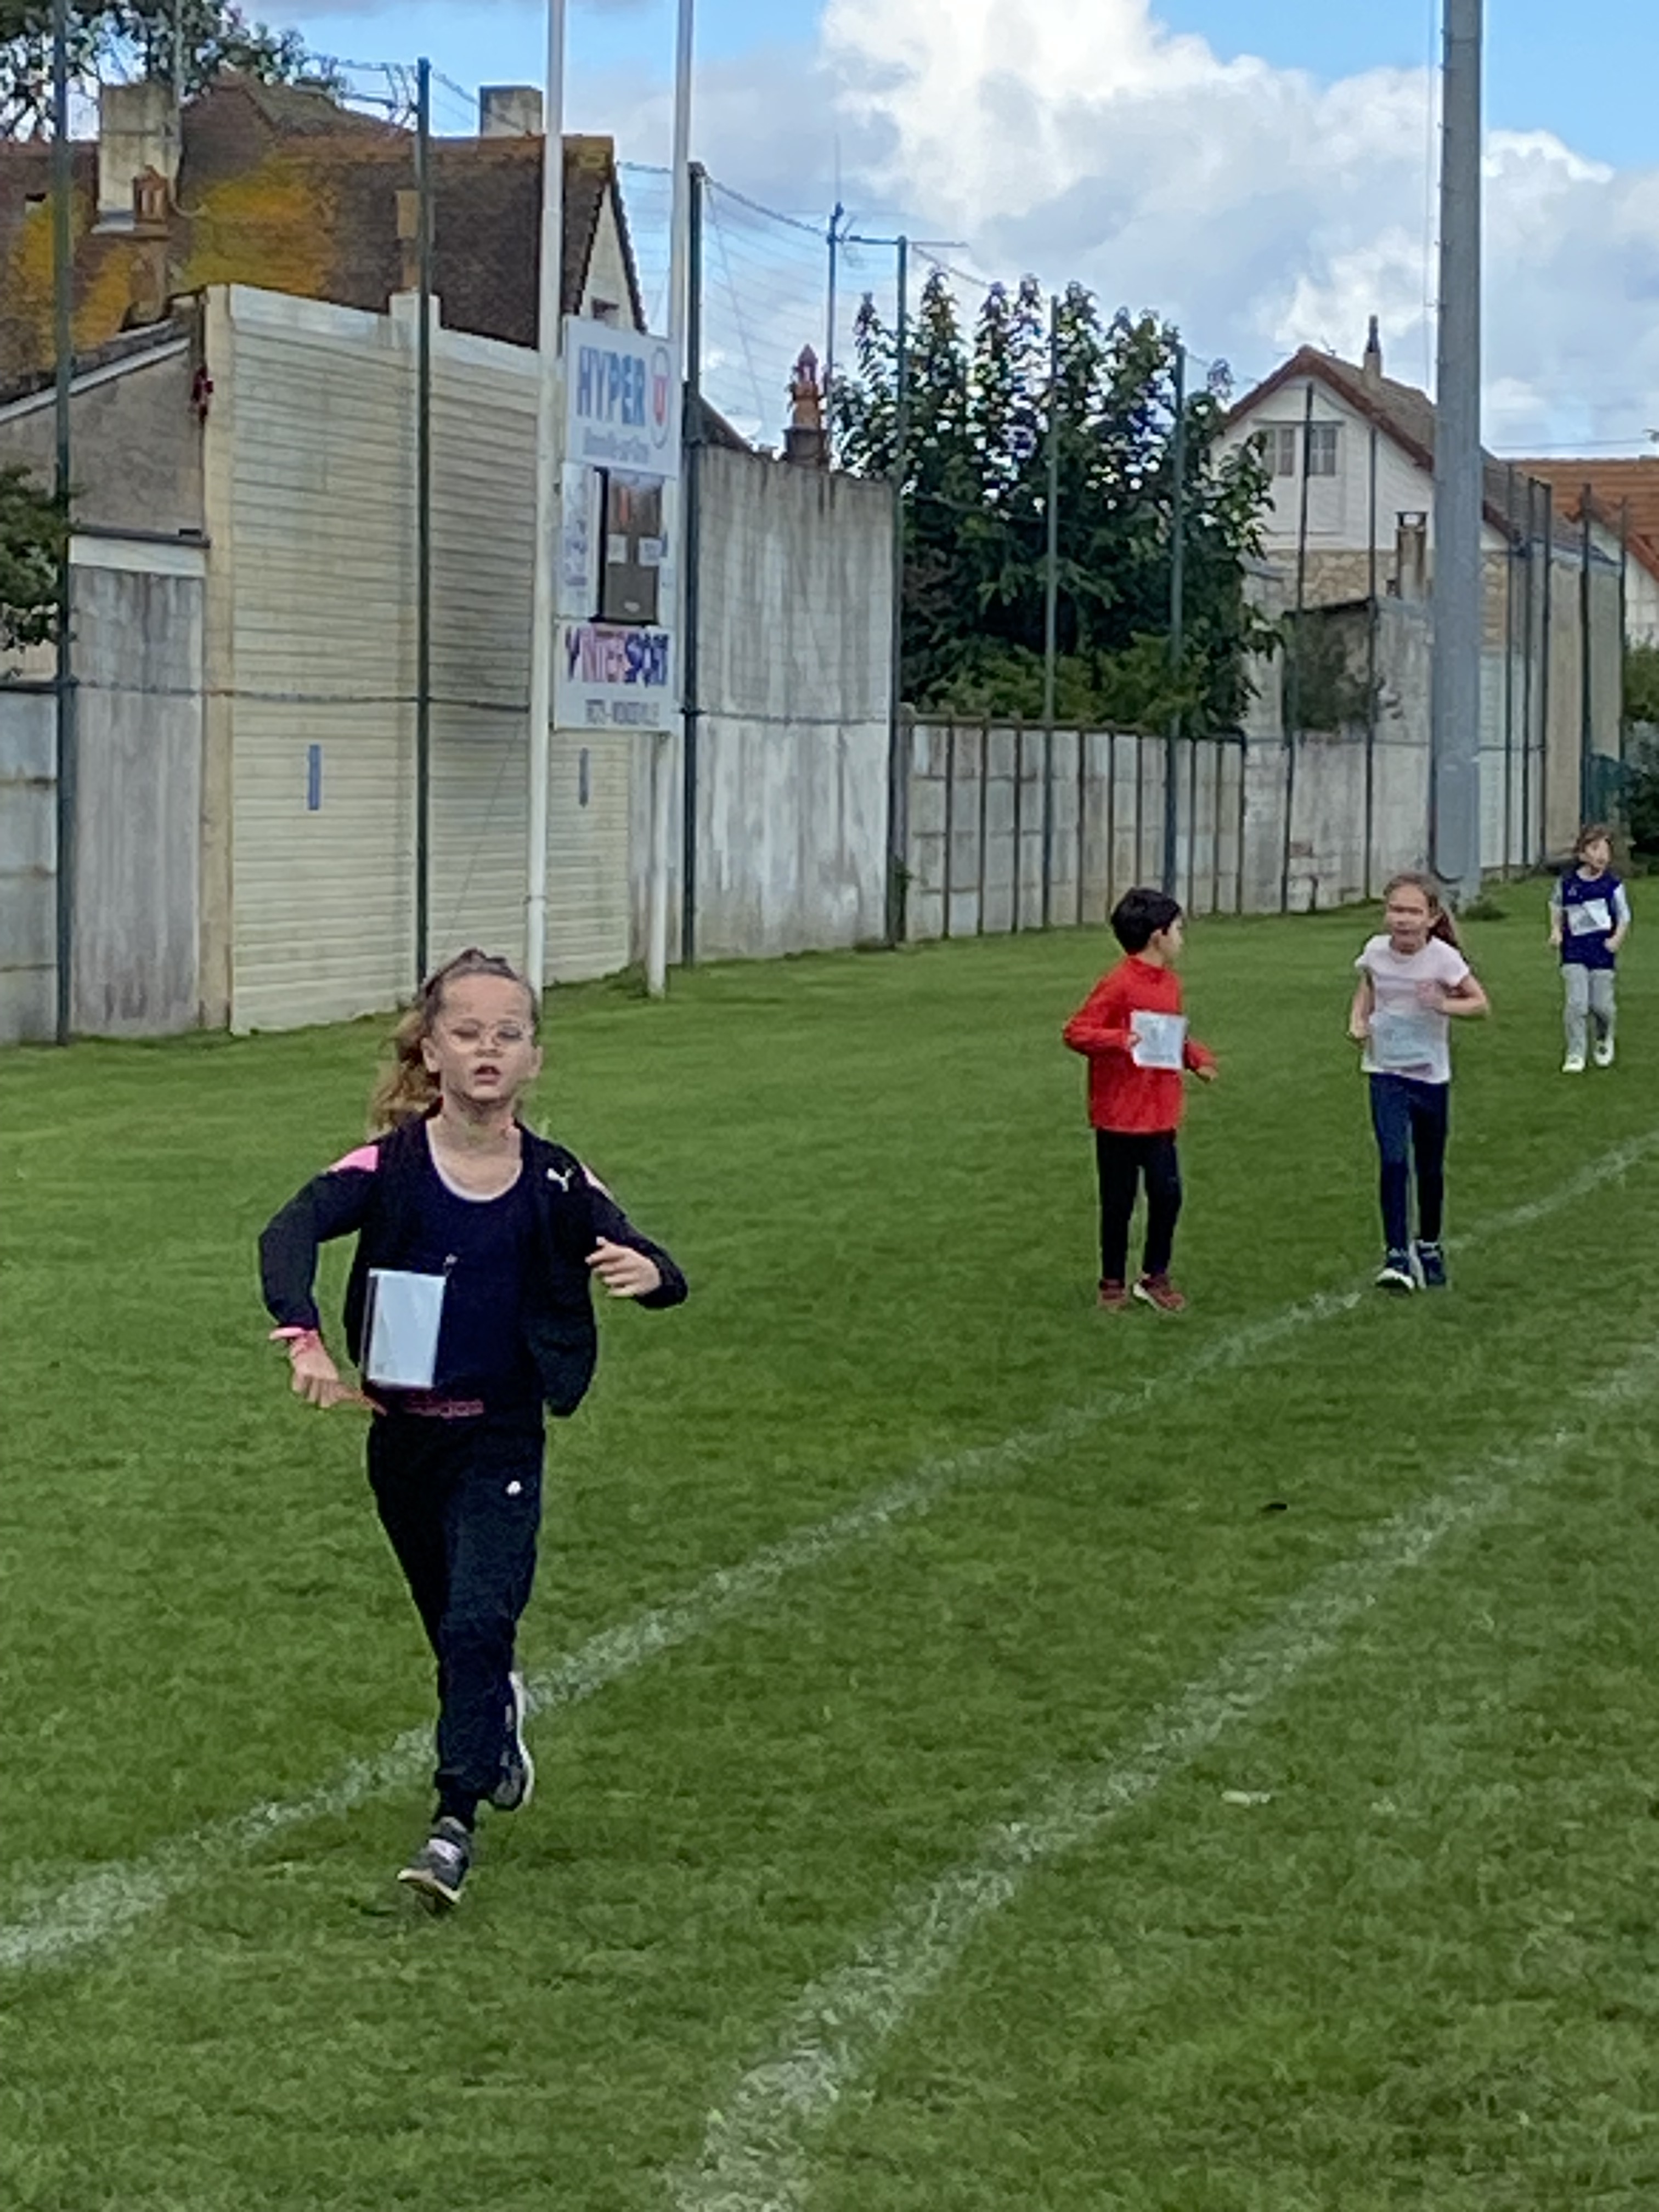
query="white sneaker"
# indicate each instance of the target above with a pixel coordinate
(1604, 1053)
(1573, 1064)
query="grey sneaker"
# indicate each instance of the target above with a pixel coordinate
(1431, 1266)
(437, 1873)
(517, 1785)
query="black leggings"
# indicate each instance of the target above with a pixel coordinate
(1411, 1119)
(461, 1502)
(1122, 1162)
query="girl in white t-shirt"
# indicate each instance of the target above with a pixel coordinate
(1412, 981)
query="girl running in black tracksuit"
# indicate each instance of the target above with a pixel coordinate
(468, 1309)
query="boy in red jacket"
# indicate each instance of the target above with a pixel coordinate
(1133, 1032)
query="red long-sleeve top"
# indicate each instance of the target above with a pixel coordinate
(1139, 1101)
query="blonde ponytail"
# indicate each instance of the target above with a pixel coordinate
(407, 1090)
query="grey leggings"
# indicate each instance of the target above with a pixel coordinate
(1590, 995)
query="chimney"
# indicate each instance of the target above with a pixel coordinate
(408, 241)
(510, 111)
(149, 276)
(806, 442)
(1410, 559)
(139, 134)
(1373, 362)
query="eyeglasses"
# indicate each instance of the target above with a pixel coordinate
(501, 1034)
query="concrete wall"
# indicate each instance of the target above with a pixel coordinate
(1010, 828)
(139, 613)
(794, 650)
(137, 451)
(27, 865)
(137, 664)
(312, 505)
(1262, 822)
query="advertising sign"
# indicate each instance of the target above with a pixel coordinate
(613, 676)
(615, 664)
(621, 400)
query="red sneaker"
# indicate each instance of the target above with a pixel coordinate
(1114, 1297)
(1159, 1290)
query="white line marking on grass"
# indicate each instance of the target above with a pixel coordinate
(101, 1904)
(757, 2142)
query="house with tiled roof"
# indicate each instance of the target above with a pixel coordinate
(1350, 452)
(285, 190)
(1624, 497)
(1320, 420)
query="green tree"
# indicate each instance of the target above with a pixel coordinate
(189, 41)
(1642, 684)
(1642, 752)
(33, 534)
(980, 413)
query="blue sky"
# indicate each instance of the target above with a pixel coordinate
(1265, 183)
(1597, 92)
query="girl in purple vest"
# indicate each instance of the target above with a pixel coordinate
(469, 1313)
(1589, 920)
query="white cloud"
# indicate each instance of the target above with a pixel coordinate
(1079, 137)
(1259, 207)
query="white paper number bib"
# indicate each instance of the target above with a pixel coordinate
(1161, 1040)
(405, 1314)
(1590, 917)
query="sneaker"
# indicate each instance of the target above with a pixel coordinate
(518, 1781)
(1395, 1274)
(1573, 1064)
(1159, 1291)
(1604, 1054)
(438, 1870)
(1114, 1297)
(1431, 1266)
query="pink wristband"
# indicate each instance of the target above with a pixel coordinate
(297, 1340)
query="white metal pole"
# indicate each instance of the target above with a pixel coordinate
(656, 954)
(549, 432)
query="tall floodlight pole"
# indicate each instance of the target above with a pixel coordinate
(63, 286)
(550, 308)
(1458, 588)
(679, 257)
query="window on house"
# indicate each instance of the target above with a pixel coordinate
(1280, 455)
(1283, 451)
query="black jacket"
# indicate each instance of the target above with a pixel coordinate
(373, 1191)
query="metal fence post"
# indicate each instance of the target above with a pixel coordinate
(950, 824)
(984, 815)
(1014, 918)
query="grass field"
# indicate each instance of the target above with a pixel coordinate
(995, 1756)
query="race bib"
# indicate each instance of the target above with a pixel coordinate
(405, 1315)
(1401, 1041)
(1593, 918)
(1160, 1040)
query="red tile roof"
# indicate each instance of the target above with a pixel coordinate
(1618, 491)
